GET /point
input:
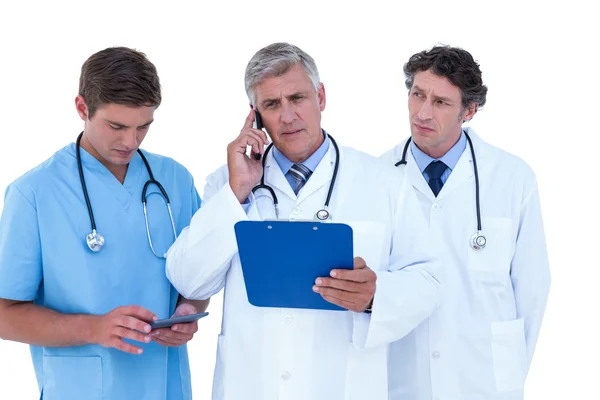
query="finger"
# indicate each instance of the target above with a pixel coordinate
(354, 275)
(340, 302)
(131, 334)
(347, 286)
(138, 312)
(341, 295)
(164, 343)
(189, 328)
(262, 135)
(126, 347)
(249, 120)
(250, 138)
(169, 336)
(359, 263)
(132, 323)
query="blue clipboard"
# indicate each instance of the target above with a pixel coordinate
(281, 260)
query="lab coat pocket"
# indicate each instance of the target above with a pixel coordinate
(72, 378)
(508, 353)
(493, 260)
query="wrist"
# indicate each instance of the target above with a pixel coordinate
(90, 328)
(240, 192)
(369, 307)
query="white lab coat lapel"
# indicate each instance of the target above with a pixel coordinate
(416, 177)
(274, 177)
(463, 171)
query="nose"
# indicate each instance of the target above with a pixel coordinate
(288, 114)
(129, 139)
(425, 112)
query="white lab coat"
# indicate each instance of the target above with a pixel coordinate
(300, 354)
(479, 343)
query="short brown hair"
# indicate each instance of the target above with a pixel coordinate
(119, 75)
(455, 64)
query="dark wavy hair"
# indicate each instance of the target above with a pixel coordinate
(454, 63)
(119, 75)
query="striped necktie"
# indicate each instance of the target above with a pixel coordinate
(300, 174)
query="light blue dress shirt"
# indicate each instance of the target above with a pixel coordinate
(450, 158)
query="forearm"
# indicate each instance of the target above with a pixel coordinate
(39, 326)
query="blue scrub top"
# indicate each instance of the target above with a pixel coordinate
(44, 258)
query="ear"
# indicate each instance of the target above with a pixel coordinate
(322, 97)
(81, 107)
(469, 113)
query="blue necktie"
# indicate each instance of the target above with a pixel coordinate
(435, 171)
(300, 174)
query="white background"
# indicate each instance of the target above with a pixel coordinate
(538, 60)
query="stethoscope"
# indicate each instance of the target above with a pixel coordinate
(94, 240)
(478, 239)
(321, 215)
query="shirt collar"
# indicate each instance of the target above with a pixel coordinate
(311, 162)
(450, 158)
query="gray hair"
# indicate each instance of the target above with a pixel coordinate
(275, 60)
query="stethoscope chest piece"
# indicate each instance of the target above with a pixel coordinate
(95, 241)
(478, 241)
(322, 215)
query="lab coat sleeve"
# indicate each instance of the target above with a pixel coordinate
(198, 261)
(530, 271)
(20, 247)
(408, 290)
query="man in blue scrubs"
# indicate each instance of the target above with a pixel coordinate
(86, 313)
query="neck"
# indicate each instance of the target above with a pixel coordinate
(118, 171)
(301, 158)
(439, 150)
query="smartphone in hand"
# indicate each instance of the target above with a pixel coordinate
(183, 319)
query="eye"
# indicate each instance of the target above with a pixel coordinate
(442, 102)
(115, 128)
(417, 94)
(297, 98)
(270, 106)
(143, 128)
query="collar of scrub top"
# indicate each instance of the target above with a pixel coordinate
(450, 158)
(311, 162)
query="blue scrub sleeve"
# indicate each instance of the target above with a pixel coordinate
(196, 202)
(20, 248)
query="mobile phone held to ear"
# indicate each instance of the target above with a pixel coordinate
(183, 319)
(258, 124)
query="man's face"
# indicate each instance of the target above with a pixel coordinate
(115, 131)
(291, 112)
(436, 113)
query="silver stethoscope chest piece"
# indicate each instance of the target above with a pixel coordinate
(95, 241)
(478, 241)
(322, 215)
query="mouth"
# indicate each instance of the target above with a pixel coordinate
(422, 128)
(124, 153)
(291, 132)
